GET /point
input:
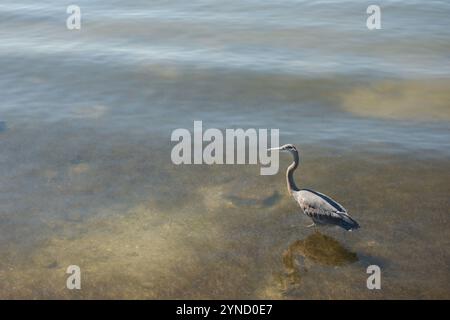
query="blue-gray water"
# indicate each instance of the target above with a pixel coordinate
(85, 170)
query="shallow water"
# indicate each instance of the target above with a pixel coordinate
(85, 170)
(140, 227)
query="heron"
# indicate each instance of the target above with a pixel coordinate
(322, 209)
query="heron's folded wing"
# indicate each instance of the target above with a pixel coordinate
(323, 209)
(320, 200)
(320, 212)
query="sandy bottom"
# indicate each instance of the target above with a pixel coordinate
(225, 231)
(417, 100)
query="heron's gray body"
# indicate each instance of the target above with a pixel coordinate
(320, 208)
(323, 210)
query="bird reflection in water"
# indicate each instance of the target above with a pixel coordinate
(317, 248)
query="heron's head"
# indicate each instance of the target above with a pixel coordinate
(287, 147)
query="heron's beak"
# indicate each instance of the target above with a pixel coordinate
(272, 149)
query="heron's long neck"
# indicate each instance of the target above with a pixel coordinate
(290, 174)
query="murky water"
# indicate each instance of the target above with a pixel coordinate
(85, 170)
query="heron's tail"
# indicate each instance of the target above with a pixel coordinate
(348, 223)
